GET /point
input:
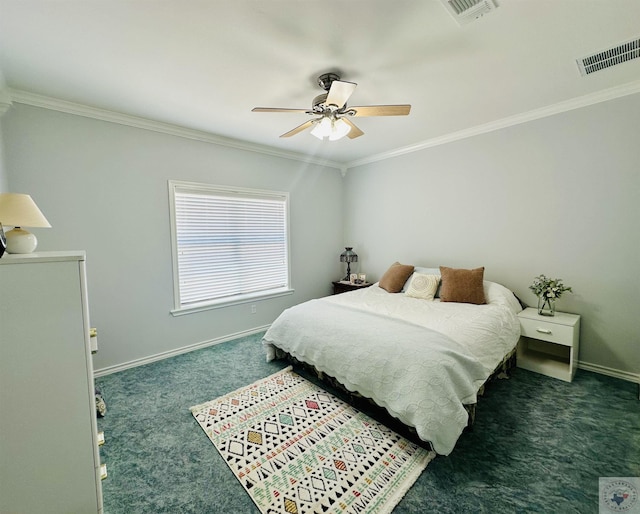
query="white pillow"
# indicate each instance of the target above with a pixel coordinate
(426, 271)
(423, 286)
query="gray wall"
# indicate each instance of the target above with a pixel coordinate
(4, 181)
(103, 187)
(559, 196)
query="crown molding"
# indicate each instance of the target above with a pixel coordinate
(5, 101)
(544, 112)
(55, 104)
(36, 100)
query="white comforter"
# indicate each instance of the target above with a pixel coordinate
(421, 360)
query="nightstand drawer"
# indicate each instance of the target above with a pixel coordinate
(545, 331)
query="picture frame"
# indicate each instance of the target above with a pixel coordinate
(3, 241)
(353, 278)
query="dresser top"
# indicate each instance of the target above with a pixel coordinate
(26, 258)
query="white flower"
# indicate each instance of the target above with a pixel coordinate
(548, 288)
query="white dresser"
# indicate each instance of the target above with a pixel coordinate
(49, 459)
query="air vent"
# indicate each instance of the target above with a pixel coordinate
(607, 58)
(465, 11)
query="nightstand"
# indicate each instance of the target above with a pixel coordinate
(343, 286)
(549, 344)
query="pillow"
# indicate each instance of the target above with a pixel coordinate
(395, 277)
(462, 285)
(425, 271)
(423, 286)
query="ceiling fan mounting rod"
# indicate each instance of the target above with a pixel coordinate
(326, 79)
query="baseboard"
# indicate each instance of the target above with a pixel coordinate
(616, 373)
(178, 351)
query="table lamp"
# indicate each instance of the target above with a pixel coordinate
(348, 256)
(19, 210)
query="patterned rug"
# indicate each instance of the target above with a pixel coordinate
(297, 449)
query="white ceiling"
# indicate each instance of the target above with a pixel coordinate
(204, 65)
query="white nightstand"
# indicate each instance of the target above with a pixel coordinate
(549, 344)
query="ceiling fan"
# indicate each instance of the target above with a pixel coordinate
(332, 112)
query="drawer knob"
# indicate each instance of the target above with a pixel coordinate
(543, 330)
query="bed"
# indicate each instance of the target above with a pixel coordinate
(423, 359)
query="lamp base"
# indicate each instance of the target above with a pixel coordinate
(348, 277)
(20, 241)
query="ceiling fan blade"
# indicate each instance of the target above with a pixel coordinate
(355, 131)
(381, 110)
(276, 109)
(299, 128)
(340, 92)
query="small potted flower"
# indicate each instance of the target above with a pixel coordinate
(548, 290)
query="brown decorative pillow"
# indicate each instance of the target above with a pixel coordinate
(462, 285)
(395, 277)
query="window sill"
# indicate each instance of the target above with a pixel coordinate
(248, 298)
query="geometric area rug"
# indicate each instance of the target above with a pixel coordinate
(297, 449)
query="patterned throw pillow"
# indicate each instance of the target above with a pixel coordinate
(423, 286)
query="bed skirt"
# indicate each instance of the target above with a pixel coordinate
(503, 370)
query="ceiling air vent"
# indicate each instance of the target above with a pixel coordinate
(607, 58)
(465, 11)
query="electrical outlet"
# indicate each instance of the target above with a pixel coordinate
(253, 308)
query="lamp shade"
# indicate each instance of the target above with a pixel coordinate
(339, 129)
(348, 255)
(332, 128)
(322, 128)
(19, 210)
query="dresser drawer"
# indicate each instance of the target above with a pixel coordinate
(545, 331)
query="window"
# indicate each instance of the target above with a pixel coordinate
(230, 245)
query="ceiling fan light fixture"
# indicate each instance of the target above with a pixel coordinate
(340, 128)
(322, 128)
(332, 128)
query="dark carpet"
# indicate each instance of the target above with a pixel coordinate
(538, 444)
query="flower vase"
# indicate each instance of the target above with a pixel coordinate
(546, 306)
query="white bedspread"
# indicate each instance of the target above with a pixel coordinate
(421, 360)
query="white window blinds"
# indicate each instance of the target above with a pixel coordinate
(229, 245)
